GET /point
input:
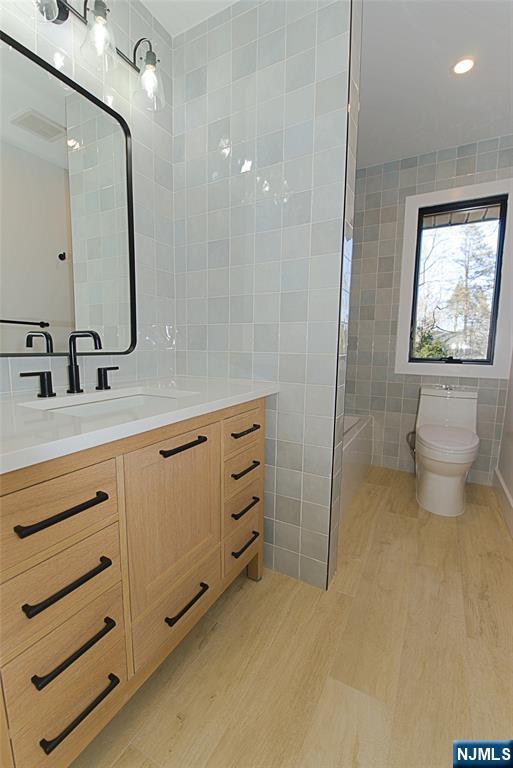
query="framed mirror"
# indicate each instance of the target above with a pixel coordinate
(67, 257)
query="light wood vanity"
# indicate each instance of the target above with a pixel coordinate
(109, 557)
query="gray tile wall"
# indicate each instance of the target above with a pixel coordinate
(372, 385)
(260, 113)
(152, 154)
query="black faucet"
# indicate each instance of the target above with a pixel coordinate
(43, 335)
(73, 369)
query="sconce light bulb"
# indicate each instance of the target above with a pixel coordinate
(99, 46)
(99, 35)
(48, 9)
(149, 80)
(58, 60)
(150, 91)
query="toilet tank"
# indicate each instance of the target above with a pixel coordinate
(448, 407)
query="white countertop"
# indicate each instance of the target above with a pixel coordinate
(30, 435)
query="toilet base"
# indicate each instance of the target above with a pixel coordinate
(442, 494)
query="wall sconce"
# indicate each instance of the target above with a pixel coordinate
(150, 92)
(48, 9)
(58, 11)
(99, 48)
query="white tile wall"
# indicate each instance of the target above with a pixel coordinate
(260, 115)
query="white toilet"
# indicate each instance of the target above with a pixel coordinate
(446, 445)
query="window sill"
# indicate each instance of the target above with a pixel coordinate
(457, 370)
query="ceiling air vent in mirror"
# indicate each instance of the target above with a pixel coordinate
(39, 124)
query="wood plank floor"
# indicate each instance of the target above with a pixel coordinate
(411, 648)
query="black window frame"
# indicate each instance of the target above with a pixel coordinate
(480, 202)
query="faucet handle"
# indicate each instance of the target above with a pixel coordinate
(45, 382)
(103, 376)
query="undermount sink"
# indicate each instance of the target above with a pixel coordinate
(133, 407)
(134, 402)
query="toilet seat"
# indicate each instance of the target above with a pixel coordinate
(452, 444)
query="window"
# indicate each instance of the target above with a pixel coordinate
(457, 281)
(455, 315)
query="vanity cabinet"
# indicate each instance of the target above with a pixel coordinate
(108, 559)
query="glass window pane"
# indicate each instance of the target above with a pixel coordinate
(456, 275)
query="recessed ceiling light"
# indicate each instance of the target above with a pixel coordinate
(463, 66)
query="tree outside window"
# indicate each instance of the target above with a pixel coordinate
(457, 281)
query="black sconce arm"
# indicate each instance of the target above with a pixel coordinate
(100, 6)
(136, 48)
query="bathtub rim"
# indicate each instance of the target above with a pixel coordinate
(353, 430)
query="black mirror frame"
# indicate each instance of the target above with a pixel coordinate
(11, 42)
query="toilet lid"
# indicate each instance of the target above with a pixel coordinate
(447, 438)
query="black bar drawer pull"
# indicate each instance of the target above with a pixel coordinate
(171, 621)
(238, 435)
(27, 530)
(238, 515)
(253, 538)
(252, 466)
(32, 610)
(42, 681)
(173, 451)
(48, 745)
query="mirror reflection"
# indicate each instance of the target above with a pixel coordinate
(64, 235)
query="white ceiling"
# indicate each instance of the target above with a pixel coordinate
(411, 101)
(178, 15)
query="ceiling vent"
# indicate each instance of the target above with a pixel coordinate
(39, 125)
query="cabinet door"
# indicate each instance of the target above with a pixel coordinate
(173, 510)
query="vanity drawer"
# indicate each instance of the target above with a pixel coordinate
(241, 430)
(243, 470)
(242, 545)
(37, 601)
(38, 679)
(43, 516)
(52, 730)
(239, 508)
(180, 608)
